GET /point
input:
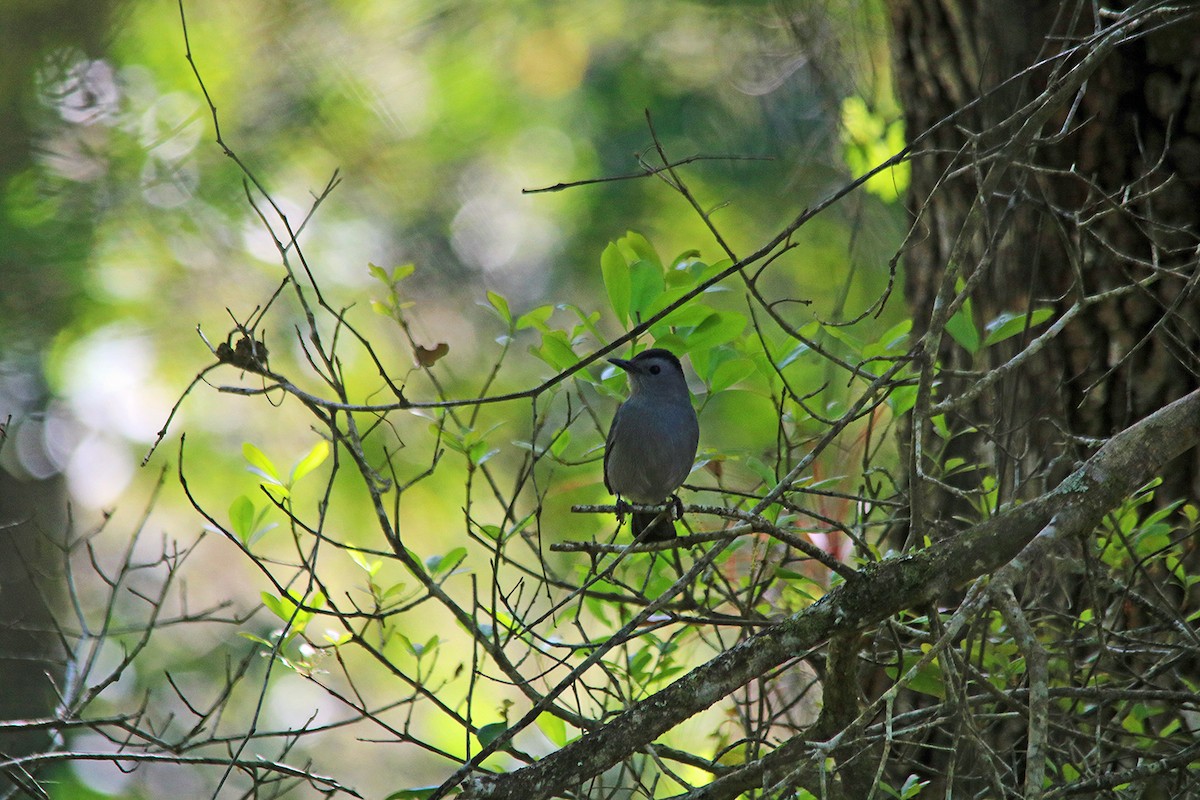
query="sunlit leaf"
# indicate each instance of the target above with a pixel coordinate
(535, 318)
(615, 272)
(313, 459)
(259, 463)
(241, 517)
(641, 249)
(500, 305)
(553, 728)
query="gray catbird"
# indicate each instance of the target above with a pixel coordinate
(652, 442)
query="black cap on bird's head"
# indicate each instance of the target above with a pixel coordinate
(656, 370)
(646, 360)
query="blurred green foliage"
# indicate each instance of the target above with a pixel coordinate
(434, 116)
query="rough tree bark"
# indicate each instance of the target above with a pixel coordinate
(1106, 196)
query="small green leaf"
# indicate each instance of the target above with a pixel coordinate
(759, 468)
(282, 607)
(685, 260)
(559, 445)
(639, 661)
(1010, 324)
(646, 284)
(912, 787)
(902, 399)
(368, 565)
(259, 463)
(241, 517)
(315, 457)
(338, 639)
(535, 318)
(717, 328)
(413, 794)
(615, 272)
(253, 638)
(490, 732)
(556, 350)
(498, 303)
(641, 249)
(278, 492)
(730, 372)
(553, 728)
(392, 591)
(445, 563)
(962, 329)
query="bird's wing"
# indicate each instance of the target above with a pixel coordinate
(608, 446)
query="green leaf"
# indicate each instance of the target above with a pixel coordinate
(393, 590)
(553, 728)
(961, 326)
(760, 468)
(615, 272)
(962, 329)
(287, 608)
(902, 399)
(912, 787)
(641, 249)
(379, 273)
(730, 372)
(646, 285)
(419, 793)
(445, 563)
(278, 492)
(241, 517)
(260, 464)
(500, 305)
(490, 732)
(638, 663)
(686, 316)
(535, 318)
(338, 639)
(556, 350)
(315, 457)
(560, 442)
(282, 607)
(368, 565)
(717, 328)
(253, 638)
(1010, 324)
(684, 260)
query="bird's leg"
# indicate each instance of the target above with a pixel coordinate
(676, 506)
(622, 510)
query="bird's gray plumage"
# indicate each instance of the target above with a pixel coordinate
(652, 442)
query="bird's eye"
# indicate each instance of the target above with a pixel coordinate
(655, 369)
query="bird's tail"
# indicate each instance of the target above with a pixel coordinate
(656, 531)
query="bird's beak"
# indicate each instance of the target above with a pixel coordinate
(622, 363)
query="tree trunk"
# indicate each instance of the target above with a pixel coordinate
(1105, 196)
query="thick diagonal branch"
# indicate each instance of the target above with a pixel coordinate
(1127, 461)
